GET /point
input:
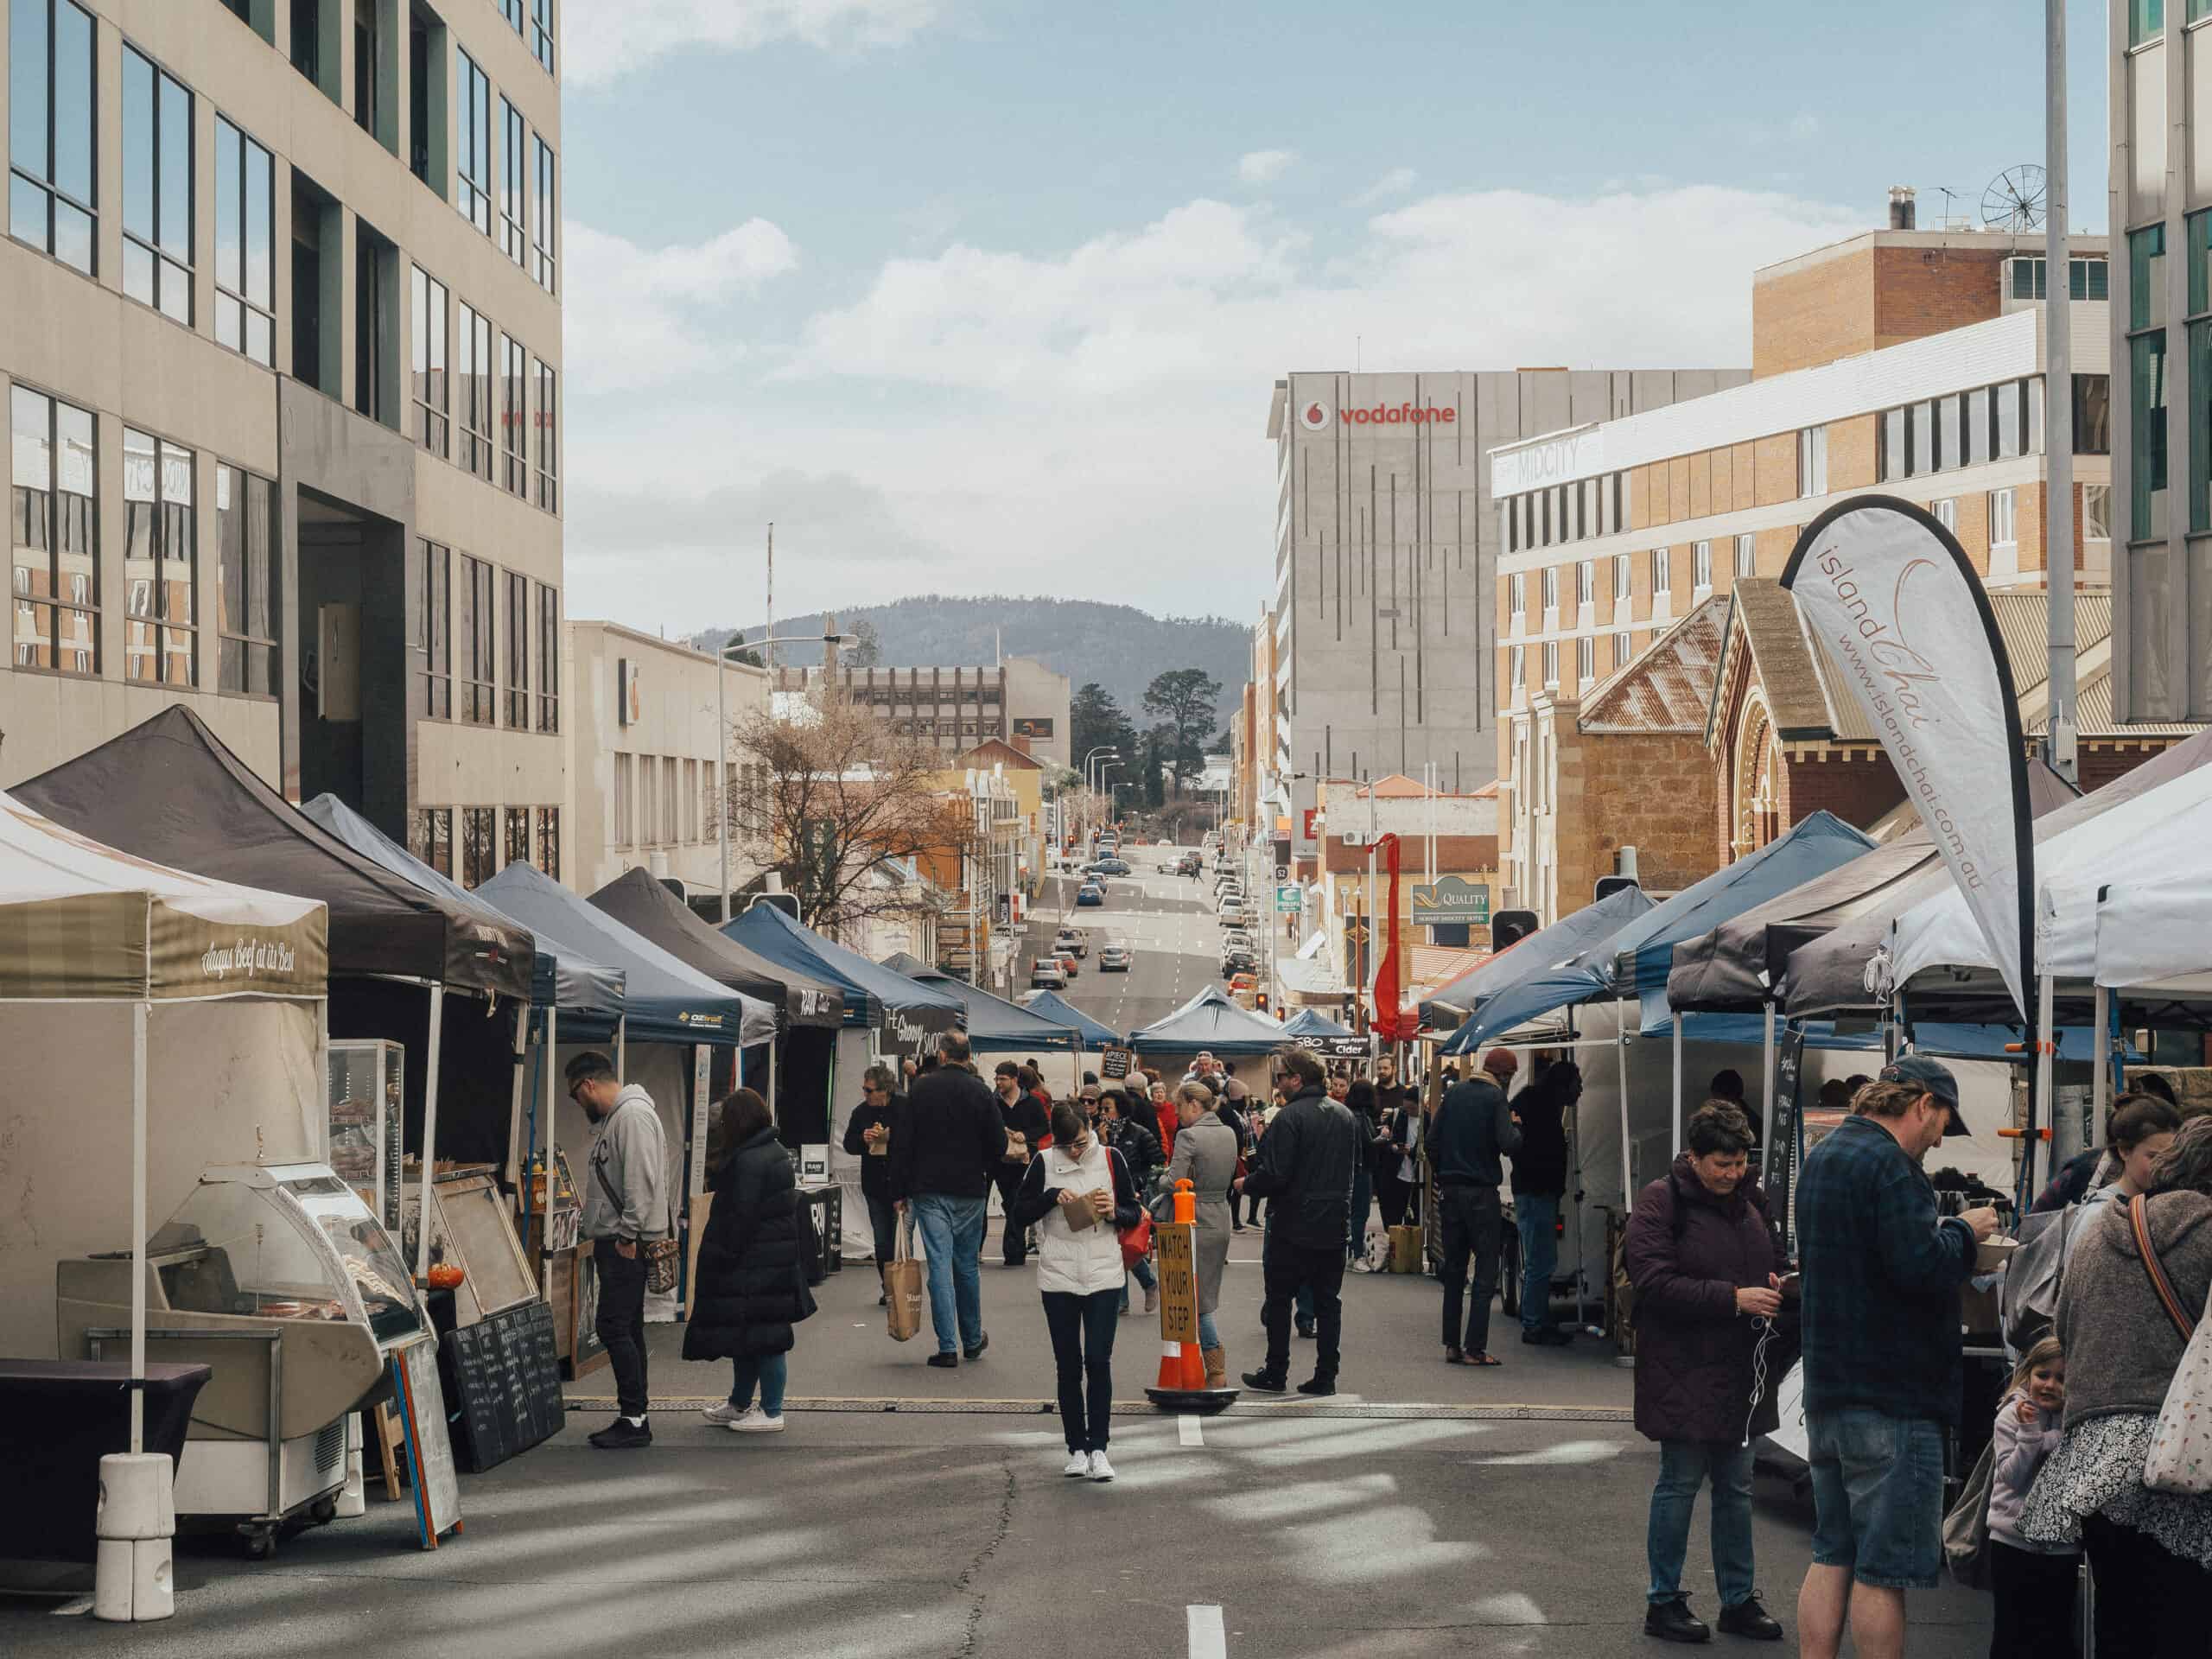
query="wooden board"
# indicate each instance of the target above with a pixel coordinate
(422, 1406)
(1113, 1062)
(1179, 1280)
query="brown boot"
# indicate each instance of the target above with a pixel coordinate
(1217, 1368)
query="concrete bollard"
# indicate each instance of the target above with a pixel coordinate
(353, 1499)
(131, 1582)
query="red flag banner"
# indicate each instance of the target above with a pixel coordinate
(1387, 977)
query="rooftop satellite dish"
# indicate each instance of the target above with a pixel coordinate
(2014, 199)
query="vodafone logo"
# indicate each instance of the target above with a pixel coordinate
(1314, 417)
(1399, 415)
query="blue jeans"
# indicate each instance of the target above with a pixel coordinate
(1684, 1466)
(1878, 1497)
(1537, 1216)
(952, 1239)
(1144, 1277)
(1208, 1336)
(769, 1371)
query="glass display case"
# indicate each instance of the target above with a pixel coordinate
(365, 1081)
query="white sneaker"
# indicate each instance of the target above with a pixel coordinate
(1100, 1469)
(723, 1415)
(1077, 1466)
(757, 1422)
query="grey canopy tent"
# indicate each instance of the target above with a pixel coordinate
(1052, 1006)
(641, 903)
(1547, 947)
(1312, 1022)
(995, 1025)
(1210, 1021)
(867, 987)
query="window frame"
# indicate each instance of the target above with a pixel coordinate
(239, 301)
(515, 701)
(545, 218)
(1623, 578)
(514, 420)
(1516, 596)
(1812, 461)
(168, 520)
(239, 484)
(473, 120)
(549, 657)
(52, 519)
(1586, 584)
(544, 30)
(475, 629)
(432, 628)
(1662, 572)
(473, 374)
(1700, 567)
(1585, 660)
(1551, 664)
(1747, 555)
(480, 845)
(431, 831)
(548, 841)
(511, 819)
(166, 270)
(545, 431)
(2003, 507)
(512, 183)
(430, 357)
(56, 196)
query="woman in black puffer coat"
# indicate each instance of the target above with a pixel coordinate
(751, 1288)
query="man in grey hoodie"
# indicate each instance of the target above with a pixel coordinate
(626, 1206)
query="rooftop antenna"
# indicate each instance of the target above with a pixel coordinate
(1950, 196)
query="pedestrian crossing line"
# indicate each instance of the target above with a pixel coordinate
(1208, 1636)
(1190, 1429)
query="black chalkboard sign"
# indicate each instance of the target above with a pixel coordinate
(507, 1379)
(549, 1410)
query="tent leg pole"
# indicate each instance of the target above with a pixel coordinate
(622, 1049)
(139, 1012)
(1628, 1177)
(430, 1128)
(1675, 1144)
(545, 1209)
(1766, 1072)
(774, 1114)
(521, 1087)
(2040, 1120)
(2106, 1048)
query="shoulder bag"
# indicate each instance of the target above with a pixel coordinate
(1966, 1529)
(2180, 1458)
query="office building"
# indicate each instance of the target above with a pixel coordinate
(1017, 700)
(282, 356)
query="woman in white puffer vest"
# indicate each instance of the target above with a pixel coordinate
(1078, 1195)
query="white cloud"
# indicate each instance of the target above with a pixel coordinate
(1264, 166)
(1398, 181)
(634, 314)
(604, 40)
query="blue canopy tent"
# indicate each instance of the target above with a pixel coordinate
(874, 996)
(1566, 937)
(995, 1025)
(1210, 1021)
(1051, 1005)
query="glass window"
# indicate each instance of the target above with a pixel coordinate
(433, 395)
(545, 419)
(473, 377)
(1979, 405)
(160, 560)
(1551, 593)
(2096, 512)
(2146, 19)
(480, 829)
(1946, 512)
(2027, 279)
(1660, 569)
(1920, 422)
(473, 629)
(1950, 433)
(53, 512)
(2002, 530)
(512, 11)
(1517, 595)
(1621, 578)
(1585, 583)
(1892, 445)
(1813, 460)
(518, 826)
(431, 838)
(434, 635)
(250, 603)
(513, 159)
(2088, 279)
(2146, 432)
(541, 32)
(2146, 276)
(1747, 556)
(519, 637)
(52, 182)
(1701, 566)
(1620, 650)
(623, 834)
(1551, 664)
(156, 187)
(1518, 673)
(548, 660)
(1507, 527)
(1585, 660)
(245, 230)
(473, 133)
(671, 803)
(2006, 401)
(548, 841)
(514, 421)
(2200, 438)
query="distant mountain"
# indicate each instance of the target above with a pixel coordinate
(1118, 645)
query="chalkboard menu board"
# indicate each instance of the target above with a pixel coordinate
(507, 1380)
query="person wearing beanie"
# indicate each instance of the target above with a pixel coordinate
(1475, 1131)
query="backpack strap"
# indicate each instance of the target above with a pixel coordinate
(2138, 1215)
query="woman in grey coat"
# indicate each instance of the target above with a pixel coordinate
(1205, 1155)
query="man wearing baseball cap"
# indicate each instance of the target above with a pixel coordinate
(1473, 1134)
(1881, 1366)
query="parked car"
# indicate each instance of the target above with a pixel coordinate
(1090, 894)
(1111, 866)
(1115, 959)
(1073, 941)
(1045, 975)
(1238, 961)
(1232, 915)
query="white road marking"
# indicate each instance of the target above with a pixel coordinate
(1188, 1426)
(1208, 1636)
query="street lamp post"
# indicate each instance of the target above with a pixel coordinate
(842, 641)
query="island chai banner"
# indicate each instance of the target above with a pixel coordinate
(1907, 628)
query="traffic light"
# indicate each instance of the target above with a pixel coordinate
(1511, 927)
(1610, 885)
(787, 902)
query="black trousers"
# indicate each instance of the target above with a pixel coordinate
(1472, 1222)
(1283, 1268)
(1083, 1353)
(2034, 1603)
(1014, 1246)
(1400, 1200)
(620, 1325)
(883, 1222)
(2150, 1602)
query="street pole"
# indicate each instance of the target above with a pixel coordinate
(2058, 401)
(768, 649)
(722, 744)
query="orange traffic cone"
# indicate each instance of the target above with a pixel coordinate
(1171, 1365)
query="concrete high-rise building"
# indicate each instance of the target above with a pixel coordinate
(281, 353)
(1017, 700)
(1386, 547)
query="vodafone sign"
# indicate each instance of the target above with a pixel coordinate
(1315, 417)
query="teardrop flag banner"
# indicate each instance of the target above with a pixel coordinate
(1890, 594)
(1388, 994)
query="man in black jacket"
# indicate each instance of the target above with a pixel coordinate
(949, 1146)
(1304, 1167)
(1539, 1184)
(1473, 1131)
(868, 1137)
(1024, 1115)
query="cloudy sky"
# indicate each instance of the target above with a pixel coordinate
(988, 295)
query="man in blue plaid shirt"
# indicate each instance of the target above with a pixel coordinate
(1882, 1273)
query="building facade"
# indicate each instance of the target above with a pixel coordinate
(1018, 701)
(2160, 341)
(281, 356)
(1386, 550)
(645, 736)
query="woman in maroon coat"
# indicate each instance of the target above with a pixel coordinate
(1703, 1258)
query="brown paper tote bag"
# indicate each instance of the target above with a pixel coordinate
(902, 1282)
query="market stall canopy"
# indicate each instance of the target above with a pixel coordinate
(644, 906)
(1827, 974)
(868, 987)
(168, 790)
(1634, 960)
(1210, 1020)
(1547, 947)
(995, 1025)
(588, 994)
(1312, 1022)
(1939, 958)
(80, 920)
(2154, 936)
(662, 1000)
(1053, 1006)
